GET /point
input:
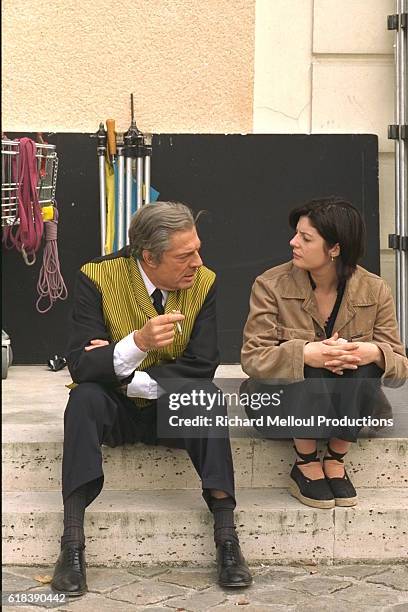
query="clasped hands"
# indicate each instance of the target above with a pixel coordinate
(156, 333)
(336, 355)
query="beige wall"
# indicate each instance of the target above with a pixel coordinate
(283, 57)
(325, 66)
(68, 64)
(268, 66)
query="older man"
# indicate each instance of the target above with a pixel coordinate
(143, 318)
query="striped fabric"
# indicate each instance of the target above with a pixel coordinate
(127, 305)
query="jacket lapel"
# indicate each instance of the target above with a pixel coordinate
(309, 305)
(346, 312)
(297, 286)
(171, 303)
(357, 293)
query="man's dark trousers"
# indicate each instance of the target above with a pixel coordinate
(98, 414)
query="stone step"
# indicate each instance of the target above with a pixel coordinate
(32, 462)
(34, 400)
(153, 527)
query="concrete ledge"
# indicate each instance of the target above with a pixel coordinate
(36, 466)
(152, 527)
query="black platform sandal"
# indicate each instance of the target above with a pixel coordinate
(342, 488)
(314, 493)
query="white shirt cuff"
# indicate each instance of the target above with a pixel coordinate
(126, 357)
(142, 385)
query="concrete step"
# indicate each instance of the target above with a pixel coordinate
(151, 527)
(32, 462)
(34, 400)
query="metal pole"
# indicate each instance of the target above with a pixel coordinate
(129, 191)
(101, 150)
(121, 196)
(404, 176)
(402, 34)
(147, 167)
(132, 149)
(398, 132)
(139, 179)
(398, 230)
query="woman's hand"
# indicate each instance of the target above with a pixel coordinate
(367, 352)
(318, 354)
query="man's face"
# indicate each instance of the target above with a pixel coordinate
(309, 248)
(179, 263)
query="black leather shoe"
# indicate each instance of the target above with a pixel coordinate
(315, 493)
(343, 489)
(231, 565)
(70, 573)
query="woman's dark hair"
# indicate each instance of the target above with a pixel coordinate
(337, 221)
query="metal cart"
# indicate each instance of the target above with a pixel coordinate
(47, 164)
(47, 161)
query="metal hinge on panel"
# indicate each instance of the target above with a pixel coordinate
(393, 132)
(394, 22)
(393, 241)
(397, 242)
(397, 131)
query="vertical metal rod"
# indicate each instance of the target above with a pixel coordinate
(129, 193)
(131, 139)
(102, 201)
(397, 174)
(132, 111)
(139, 182)
(147, 147)
(147, 179)
(11, 179)
(17, 177)
(101, 150)
(402, 34)
(121, 197)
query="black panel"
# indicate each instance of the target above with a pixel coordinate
(247, 184)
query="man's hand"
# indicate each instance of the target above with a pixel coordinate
(318, 354)
(366, 352)
(157, 332)
(96, 343)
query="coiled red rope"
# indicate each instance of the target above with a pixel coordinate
(26, 235)
(50, 283)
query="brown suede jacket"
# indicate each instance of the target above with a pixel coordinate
(283, 317)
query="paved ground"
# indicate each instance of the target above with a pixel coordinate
(360, 588)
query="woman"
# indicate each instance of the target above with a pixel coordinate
(314, 322)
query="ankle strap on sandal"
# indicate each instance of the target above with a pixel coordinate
(306, 457)
(334, 456)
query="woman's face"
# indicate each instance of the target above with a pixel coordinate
(310, 251)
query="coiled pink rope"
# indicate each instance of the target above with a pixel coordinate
(26, 236)
(50, 284)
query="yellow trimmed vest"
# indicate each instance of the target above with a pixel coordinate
(127, 305)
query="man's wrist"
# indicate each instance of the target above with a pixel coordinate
(139, 341)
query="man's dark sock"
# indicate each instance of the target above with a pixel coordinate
(74, 513)
(223, 511)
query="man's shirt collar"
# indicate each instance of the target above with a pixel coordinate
(149, 285)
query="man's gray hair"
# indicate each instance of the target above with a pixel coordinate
(153, 224)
